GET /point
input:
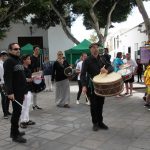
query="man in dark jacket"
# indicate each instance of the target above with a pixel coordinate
(16, 88)
(94, 65)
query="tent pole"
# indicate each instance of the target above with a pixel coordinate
(71, 59)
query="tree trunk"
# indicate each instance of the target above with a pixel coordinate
(64, 25)
(95, 24)
(145, 17)
(109, 20)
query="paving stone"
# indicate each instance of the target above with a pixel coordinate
(71, 129)
(52, 145)
(70, 139)
(78, 148)
(48, 127)
(51, 135)
(90, 144)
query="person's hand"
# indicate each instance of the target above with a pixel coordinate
(11, 97)
(84, 90)
(103, 70)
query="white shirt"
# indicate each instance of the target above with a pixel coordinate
(132, 63)
(79, 67)
(1, 72)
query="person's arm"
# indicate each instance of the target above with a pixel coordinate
(8, 78)
(53, 71)
(78, 69)
(1, 74)
(145, 73)
(83, 76)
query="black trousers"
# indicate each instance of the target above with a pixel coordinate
(5, 103)
(80, 90)
(96, 107)
(139, 75)
(16, 115)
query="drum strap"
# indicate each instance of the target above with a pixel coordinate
(90, 84)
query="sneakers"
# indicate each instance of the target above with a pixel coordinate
(77, 102)
(147, 105)
(88, 103)
(36, 107)
(19, 139)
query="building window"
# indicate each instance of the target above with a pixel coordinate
(129, 50)
(114, 43)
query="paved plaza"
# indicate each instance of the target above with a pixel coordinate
(71, 129)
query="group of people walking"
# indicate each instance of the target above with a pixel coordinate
(18, 81)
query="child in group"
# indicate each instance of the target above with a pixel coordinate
(24, 118)
(147, 83)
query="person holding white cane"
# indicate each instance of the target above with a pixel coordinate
(16, 88)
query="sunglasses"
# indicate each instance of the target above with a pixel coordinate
(16, 49)
(60, 54)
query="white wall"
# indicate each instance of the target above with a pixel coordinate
(54, 39)
(57, 41)
(131, 38)
(22, 30)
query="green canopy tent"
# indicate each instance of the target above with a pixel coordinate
(75, 52)
(28, 49)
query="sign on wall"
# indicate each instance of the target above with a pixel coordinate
(145, 54)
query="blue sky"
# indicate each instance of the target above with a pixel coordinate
(135, 18)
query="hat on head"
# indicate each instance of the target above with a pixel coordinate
(3, 53)
(93, 45)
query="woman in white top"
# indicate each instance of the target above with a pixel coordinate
(78, 70)
(129, 82)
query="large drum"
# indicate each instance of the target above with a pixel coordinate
(108, 84)
(126, 72)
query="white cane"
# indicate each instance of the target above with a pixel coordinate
(19, 104)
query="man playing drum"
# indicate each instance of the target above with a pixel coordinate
(94, 65)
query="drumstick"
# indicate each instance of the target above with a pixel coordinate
(102, 67)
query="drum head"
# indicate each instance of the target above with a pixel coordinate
(107, 78)
(37, 81)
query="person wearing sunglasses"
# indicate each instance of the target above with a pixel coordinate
(16, 88)
(62, 82)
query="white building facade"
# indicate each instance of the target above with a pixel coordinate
(128, 41)
(52, 40)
